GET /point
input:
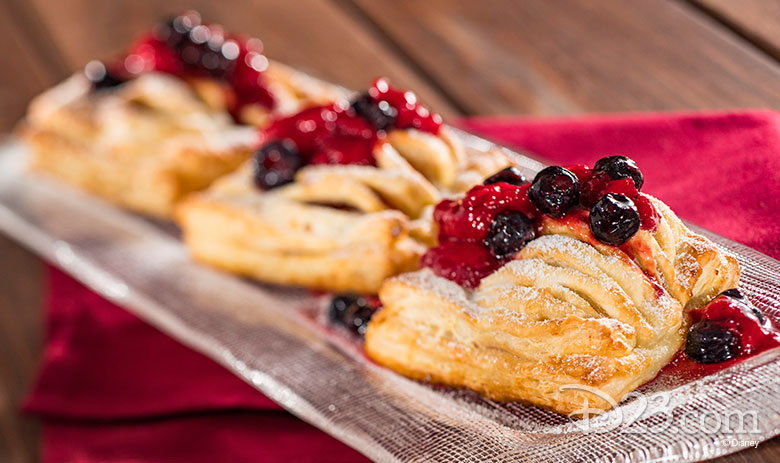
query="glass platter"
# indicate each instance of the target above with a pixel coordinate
(274, 339)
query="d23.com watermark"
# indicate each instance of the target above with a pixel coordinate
(655, 414)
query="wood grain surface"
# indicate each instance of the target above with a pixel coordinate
(757, 21)
(462, 57)
(570, 56)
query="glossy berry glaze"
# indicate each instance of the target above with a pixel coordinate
(185, 48)
(752, 331)
(410, 114)
(337, 134)
(464, 224)
(330, 134)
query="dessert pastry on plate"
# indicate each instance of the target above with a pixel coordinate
(568, 292)
(338, 197)
(167, 118)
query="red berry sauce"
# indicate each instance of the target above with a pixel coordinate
(330, 134)
(150, 54)
(594, 185)
(463, 262)
(411, 114)
(247, 80)
(236, 62)
(755, 337)
(336, 134)
(738, 316)
(463, 224)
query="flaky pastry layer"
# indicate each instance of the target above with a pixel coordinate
(569, 325)
(153, 140)
(336, 227)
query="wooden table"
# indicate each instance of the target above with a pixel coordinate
(462, 57)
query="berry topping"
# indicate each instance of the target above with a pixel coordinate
(740, 301)
(619, 167)
(186, 48)
(100, 77)
(275, 164)
(510, 175)
(497, 219)
(462, 262)
(153, 55)
(732, 311)
(647, 212)
(379, 114)
(508, 234)
(471, 218)
(594, 188)
(342, 133)
(711, 342)
(410, 113)
(581, 171)
(614, 219)
(175, 31)
(329, 134)
(246, 78)
(351, 311)
(202, 51)
(198, 46)
(554, 190)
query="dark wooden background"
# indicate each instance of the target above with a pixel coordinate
(462, 57)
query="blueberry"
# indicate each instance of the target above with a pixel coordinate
(379, 114)
(618, 167)
(614, 219)
(351, 311)
(508, 234)
(510, 175)
(554, 190)
(710, 342)
(100, 77)
(276, 163)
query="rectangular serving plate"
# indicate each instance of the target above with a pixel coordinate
(271, 337)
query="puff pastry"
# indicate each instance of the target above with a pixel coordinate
(160, 135)
(568, 323)
(335, 227)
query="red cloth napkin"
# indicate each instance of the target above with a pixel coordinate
(112, 388)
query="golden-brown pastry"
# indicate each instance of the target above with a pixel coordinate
(339, 198)
(570, 312)
(157, 125)
(143, 146)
